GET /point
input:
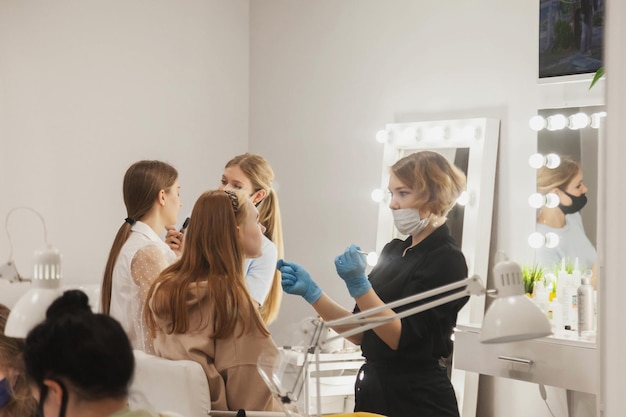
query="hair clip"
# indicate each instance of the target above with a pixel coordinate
(234, 200)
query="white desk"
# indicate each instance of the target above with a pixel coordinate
(337, 374)
(568, 363)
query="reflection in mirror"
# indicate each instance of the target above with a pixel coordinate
(567, 138)
(472, 145)
(582, 145)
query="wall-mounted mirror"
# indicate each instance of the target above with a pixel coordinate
(472, 145)
(566, 134)
(582, 145)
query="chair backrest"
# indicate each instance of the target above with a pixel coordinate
(166, 385)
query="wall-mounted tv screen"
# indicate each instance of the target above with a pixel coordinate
(571, 37)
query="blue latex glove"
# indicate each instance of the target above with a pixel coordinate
(296, 280)
(350, 266)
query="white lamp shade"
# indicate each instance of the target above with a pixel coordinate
(29, 311)
(514, 318)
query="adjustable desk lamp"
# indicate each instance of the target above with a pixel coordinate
(31, 308)
(511, 317)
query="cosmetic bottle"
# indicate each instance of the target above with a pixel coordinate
(576, 275)
(585, 308)
(566, 293)
(541, 297)
(555, 316)
(560, 281)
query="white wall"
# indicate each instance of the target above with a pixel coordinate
(611, 207)
(87, 88)
(326, 75)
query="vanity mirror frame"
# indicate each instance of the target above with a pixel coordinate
(480, 136)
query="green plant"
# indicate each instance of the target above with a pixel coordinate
(569, 267)
(530, 275)
(599, 74)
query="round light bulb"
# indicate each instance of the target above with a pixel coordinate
(552, 200)
(552, 160)
(382, 136)
(536, 160)
(536, 240)
(557, 122)
(436, 133)
(595, 119)
(536, 200)
(463, 199)
(579, 121)
(409, 134)
(552, 240)
(378, 195)
(537, 123)
(469, 132)
(372, 258)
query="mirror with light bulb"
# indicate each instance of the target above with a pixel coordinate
(565, 201)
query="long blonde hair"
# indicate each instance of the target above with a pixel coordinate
(261, 175)
(213, 254)
(22, 402)
(436, 181)
(142, 183)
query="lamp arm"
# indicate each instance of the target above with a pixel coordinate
(473, 286)
(363, 321)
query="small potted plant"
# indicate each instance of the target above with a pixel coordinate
(530, 275)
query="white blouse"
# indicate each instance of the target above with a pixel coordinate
(141, 260)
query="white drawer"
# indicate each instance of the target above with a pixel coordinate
(545, 361)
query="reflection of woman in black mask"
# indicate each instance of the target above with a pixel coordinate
(566, 181)
(80, 363)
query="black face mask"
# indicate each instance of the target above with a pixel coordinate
(577, 203)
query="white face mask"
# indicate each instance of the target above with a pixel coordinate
(408, 221)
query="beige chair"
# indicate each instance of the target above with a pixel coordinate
(169, 386)
(177, 386)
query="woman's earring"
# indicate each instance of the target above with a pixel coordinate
(436, 221)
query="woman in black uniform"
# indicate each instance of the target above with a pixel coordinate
(402, 375)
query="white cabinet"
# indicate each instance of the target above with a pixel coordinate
(571, 363)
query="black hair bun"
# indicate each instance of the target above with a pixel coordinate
(72, 302)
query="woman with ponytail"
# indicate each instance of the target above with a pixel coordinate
(138, 254)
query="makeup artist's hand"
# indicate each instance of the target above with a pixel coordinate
(174, 239)
(350, 267)
(296, 280)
